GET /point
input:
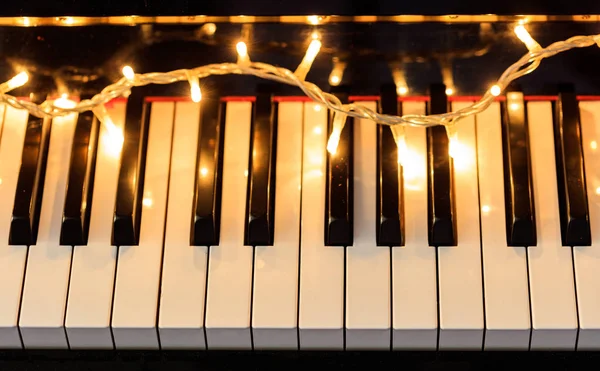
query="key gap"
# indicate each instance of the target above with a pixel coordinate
(164, 235)
(437, 294)
(112, 305)
(252, 297)
(576, 299)
(300, 231)
(529, 294)
(21, 297)
(480, 238)
(67, 301)
(205, 297)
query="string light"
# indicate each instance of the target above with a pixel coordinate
(339, 121)
(128, 73)
(526, 38)
(525, 65)
(16, 82)
(309, 58)
(242, 50)
(495, 90)
(337, 73)
(195, 91)
(399, 78)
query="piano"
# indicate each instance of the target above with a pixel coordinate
(226, 224)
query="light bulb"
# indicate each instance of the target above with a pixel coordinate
(526, 38)
(195, 91)
(128, 73)
(495, 90)
(449, 91)
(242, 51)
(401, 90)
(337, 73)
(16, 82)
(339, 120)
(64, 102)
(309, 58)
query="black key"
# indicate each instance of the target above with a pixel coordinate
(30, 184)
(440, 176)
(80, 186)
(339, 192)
(572, 195)
(207, 198)
(518, 185)
(128, 204)
(260, 204)
(390, 223)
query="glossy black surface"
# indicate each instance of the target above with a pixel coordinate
(389, 177)
(260, 198)
(440, 177)
(570, 171)
(30, 184)
(80, 184)
(128, 203)
(518, 185)
(339, 190)
(206, 213)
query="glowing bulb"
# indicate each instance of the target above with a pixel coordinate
(335, 77)
(402, 90)
(242, 51)
(128, 73)
(495, 90)
(64, 102)
(526, 38)
(209, 29)
(309, 58)
(339, 120)
(449, 91)
(313, 19)
(594, 144)
(195, 91)
(16, 82)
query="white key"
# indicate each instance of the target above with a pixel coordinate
(414, 286)
(368, 307)
(48, 264)
(181, 319)
(12, 258)
(229, 291)
(587, 258)
(138, 267)
(459, 267)
(93, 268)
(321, 316)
(505, 282)
(551, 282)
(275, 298)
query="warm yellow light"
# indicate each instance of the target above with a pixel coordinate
(113, 137)
(449, 91)
(313, 19)
(242, 51)
(16, 82)
(309, 58)
(128, 73)
(594, 144)
(339, 120)
(495, 90)
(526, 38)
(203, 171)
(195, 91)
(209, 29)
(317, 130)
(147, 202)
(318, 108)
(485, 209)
(399, 134)
(26, 22)
(315, 35)
(514, 106)
(598, 191)
(68, 20)
(402, 90)
(64, 102)
(337, 73)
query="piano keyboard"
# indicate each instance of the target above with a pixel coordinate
(227, 225)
